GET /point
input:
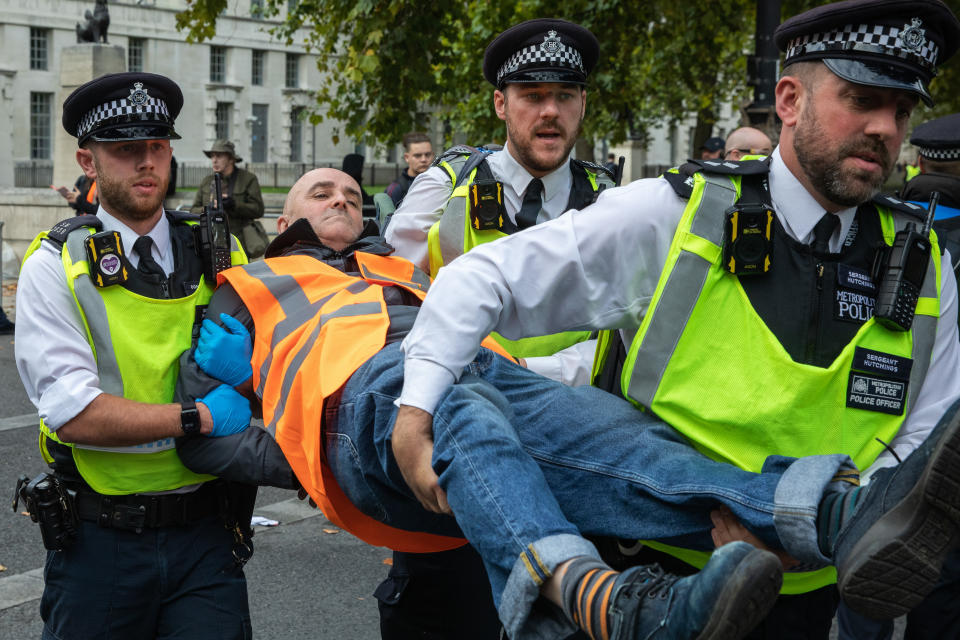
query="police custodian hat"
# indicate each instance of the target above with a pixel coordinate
(893, 44)
(939, 139)
(123, 106)
(541, 50)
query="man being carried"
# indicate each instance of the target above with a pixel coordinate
(522, 460)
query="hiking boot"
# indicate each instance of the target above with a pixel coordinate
(725, 600)
(889, 554)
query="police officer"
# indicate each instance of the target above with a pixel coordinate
(106, 305)
(747, 362)
(539, 71)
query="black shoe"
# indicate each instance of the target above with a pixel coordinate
(889, 555)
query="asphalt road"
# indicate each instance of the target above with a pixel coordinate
(304, 582)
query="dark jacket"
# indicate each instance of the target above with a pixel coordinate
(253, 456)
(399, 187)
(243, 203)
(81, 205)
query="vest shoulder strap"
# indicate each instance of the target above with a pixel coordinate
(59, 232)
(182, 217)
(681, 184)
(902, 206)
(727, 167)
(604, 177)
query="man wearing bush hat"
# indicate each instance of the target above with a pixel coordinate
(105, 305)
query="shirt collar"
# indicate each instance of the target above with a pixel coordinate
(555, 184)
(160, 234)
(797, 209)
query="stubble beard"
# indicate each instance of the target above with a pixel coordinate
(525, 154)
(823, 165)
(121, 199)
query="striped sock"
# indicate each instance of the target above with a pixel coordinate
(835, 508)
(587, 586)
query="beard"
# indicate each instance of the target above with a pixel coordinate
(123, 201)
(522, 146)
(822, 162)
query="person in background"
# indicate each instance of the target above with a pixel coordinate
(712, 148)
(747, 141)
(242, 201)
(418, 154)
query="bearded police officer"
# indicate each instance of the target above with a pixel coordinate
(726, 280)
(539, 71)
(106, 305)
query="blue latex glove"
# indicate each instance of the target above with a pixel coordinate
(230, 411)
(224, 353)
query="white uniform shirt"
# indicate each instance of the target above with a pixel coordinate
(599, 269)
(424, 204)
(53, 356)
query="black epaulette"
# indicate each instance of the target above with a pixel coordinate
(59, 232)
(595, 168)
(909, 208)
(180, 217)
(682, 183)
(727, 167)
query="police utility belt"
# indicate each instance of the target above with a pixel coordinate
(58, 507)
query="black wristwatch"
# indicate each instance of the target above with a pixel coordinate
(189, 418)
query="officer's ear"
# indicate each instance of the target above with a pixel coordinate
(87, 165)
(789, 98)
(500, 104)
(282, 224)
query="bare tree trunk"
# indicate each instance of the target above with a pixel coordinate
(706, 118)
(584, 149)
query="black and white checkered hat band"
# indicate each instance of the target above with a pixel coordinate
(882, 39)
(123, 107)
(940, 154)
(536, 56)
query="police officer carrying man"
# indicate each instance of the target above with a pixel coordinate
(758, 347)
(107, 303)
(469, 197)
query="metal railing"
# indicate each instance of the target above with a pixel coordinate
(35, 173)
(284, 174)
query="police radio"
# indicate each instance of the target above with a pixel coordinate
(903, 269)
(748, 239)
(487, 209)
(213, 235)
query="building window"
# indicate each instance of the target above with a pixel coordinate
(258, 132)
(41, 109)
(296, 134)
(256, 67)
(218, 64)
(292, 5)
(39, 48)
(293, 70)
(224, 114)
(256, 8)
(135, 54)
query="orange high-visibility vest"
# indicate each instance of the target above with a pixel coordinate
(92, 192)
(315, 326)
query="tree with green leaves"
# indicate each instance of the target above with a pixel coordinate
(393, 64)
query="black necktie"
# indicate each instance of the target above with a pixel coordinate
(147, 265)
(822, 233)
(532, 203)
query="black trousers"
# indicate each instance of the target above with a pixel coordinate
(437, 596)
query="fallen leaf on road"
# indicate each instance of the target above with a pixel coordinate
(2, 568)
(388, 561)
(331, 531)
(25, 513)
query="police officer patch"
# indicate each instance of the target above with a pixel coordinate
(878, 381)
(913, 37)
(138, 95)
(551, 43)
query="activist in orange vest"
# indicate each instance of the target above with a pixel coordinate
(525, 466)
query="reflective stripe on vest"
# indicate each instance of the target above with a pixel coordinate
(137, 359)
(452, 236)
(782, 407)
(315, 326)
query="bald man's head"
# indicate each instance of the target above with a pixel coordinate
(331, 202)
(747, 141)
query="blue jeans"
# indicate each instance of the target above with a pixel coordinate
(530, 466)
(172, 582)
